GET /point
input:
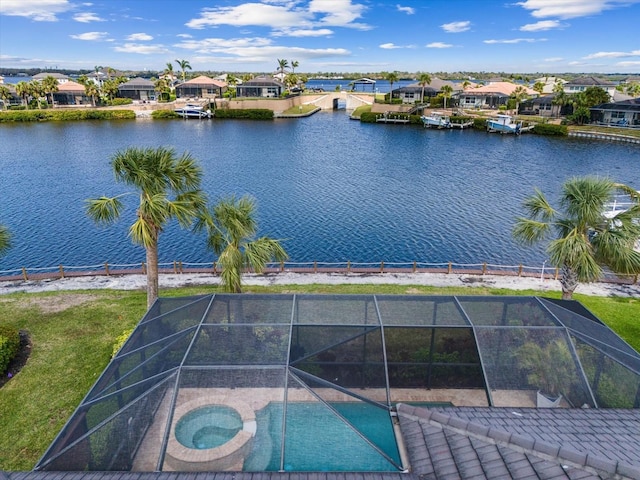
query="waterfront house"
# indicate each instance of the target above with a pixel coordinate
(261, 87)
(71, 93)
(413, 92)
(14, 98)
(201, 87)
(544, 106)
(549, 83)
(491, 95)
(580, 84)
(58, 76)
(137, 89)
(624, 113)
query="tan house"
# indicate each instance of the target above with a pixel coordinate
(201, 87)
(71, 93)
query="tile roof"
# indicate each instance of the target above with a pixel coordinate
(492, 443)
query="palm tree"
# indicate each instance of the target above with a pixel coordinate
(538, 87)
(282, 66)
(168, 187)
(5, 239)
(184, 64)
(92, 91)
(22, 89)
(162, 87)
(466, 84)
(519, 94)
(584, 238)
(391, 77)
(35, 91)
(294, 65)
(5, 94)
(49, 86)
(231, 227)
(423, 81)
(447, 90)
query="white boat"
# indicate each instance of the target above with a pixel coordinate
(621, 202)
(504, 124)
(436, 120)
(192, 110)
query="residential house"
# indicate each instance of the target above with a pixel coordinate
(71, 93)
(544, 106)
(14, 99)
(580, 84)
(549, 83)
(261, 87)
(491, 95)
(58, 76)
(201, 87)
(624, 113)
(413, 92)
(137, 89)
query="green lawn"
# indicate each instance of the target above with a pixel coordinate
(73, 334)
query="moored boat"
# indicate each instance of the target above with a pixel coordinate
(191, 110)
(436, 120)
(504, 124)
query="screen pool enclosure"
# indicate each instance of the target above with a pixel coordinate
(310, 382)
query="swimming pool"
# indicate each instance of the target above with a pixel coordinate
(315, 439)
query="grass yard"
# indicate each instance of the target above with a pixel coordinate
(73, 334)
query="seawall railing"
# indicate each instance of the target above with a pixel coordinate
(348, 267)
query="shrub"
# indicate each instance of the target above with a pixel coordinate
(479, 123)
(247, 113)
(121, 101)
(9, 346)
(161, 114)
(368, 117)
(123, 337)
(65, 115)
(550, 129)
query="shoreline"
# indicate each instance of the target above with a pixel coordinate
(170, 280)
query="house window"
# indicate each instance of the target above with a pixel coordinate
(617, 115)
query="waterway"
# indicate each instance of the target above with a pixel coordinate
(332, 188)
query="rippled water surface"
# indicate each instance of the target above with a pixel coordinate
(333, 188)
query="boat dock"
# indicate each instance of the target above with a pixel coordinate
(462, 125)
(391, 118)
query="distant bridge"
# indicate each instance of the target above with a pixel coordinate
(336, 100)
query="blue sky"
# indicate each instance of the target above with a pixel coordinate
(548, 36)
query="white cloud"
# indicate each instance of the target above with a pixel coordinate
(633, 53)
(553, 59)
(541, 26)
(628, 64)
(407, 10)
(283, 15)
(321, 32)
(87, 17)
(139, 37)
(456, 27)
(222, 44)
(38, 10)
(184, 35)
(570, 8)
(91, 36)
(438, 45)
(143, 49)
(515, 40)
(256, 14)
(389, 46)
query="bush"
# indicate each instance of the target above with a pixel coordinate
(162, 114)
(245, 114)
(121, 101)
(368, 117)
(9, 346)
(480, 123)
(123, 337)
(550, 129)
(65, 115)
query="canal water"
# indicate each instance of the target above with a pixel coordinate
(331, 188)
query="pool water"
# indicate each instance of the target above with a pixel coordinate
(208, 427)
(317, 440)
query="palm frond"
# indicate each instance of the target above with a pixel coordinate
(529, 231)
(104, 209)
(584, 198)
(539, 208)
(576, 252)
(261, 251)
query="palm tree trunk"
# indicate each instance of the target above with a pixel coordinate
(569, 282)
(152, 272)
